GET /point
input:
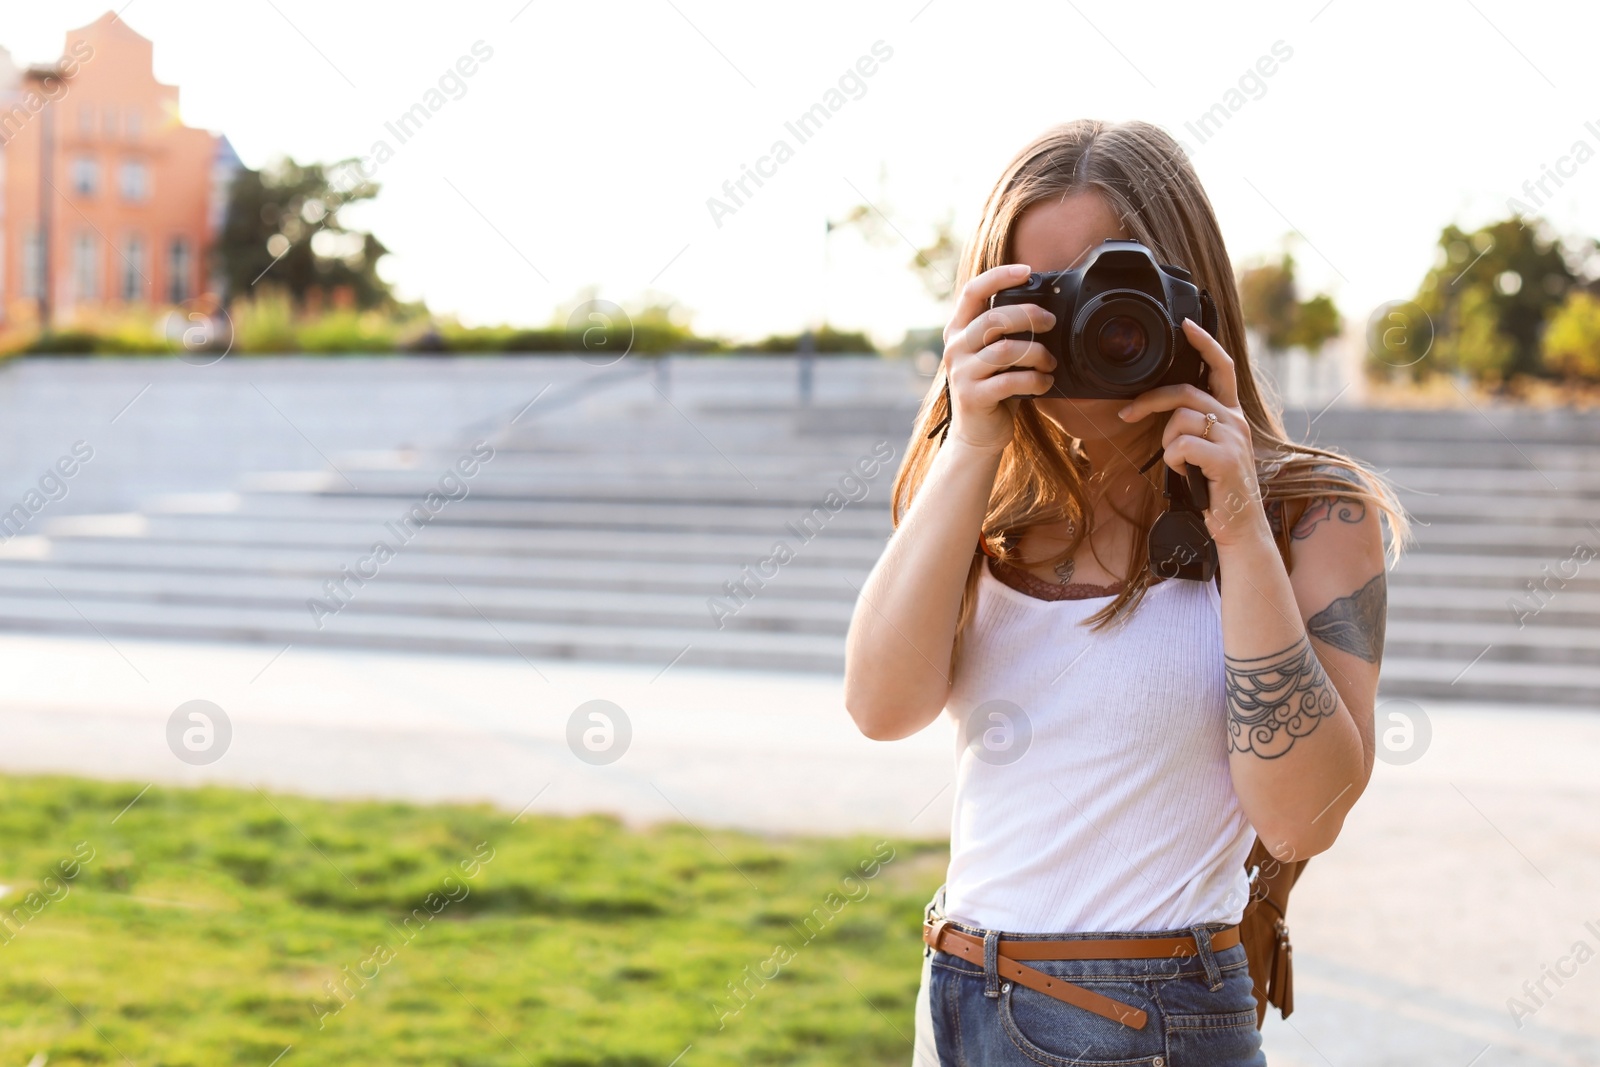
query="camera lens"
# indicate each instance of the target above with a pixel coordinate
(1122, 340)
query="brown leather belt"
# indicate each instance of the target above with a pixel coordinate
(941, 938)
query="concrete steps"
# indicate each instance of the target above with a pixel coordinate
(1511, 683)
(493, 517)
(1432, 621)
(652, 644)
(611, 530)
(448, 596)
(354, 543)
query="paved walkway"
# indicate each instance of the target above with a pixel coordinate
(1459, 877)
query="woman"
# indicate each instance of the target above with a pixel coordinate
(1122, 740)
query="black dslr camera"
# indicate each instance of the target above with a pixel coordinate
(1117, 334)
(1118, 319)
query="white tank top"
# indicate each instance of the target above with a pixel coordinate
(1092, 786)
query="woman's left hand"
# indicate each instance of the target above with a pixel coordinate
(1226, 454)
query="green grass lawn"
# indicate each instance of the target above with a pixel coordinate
(224, 926)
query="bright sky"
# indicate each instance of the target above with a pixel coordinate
(583, 151)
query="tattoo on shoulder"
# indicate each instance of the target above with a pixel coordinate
(1322, 508)
(1274, 700)
(1331, 506)
(1355, 623)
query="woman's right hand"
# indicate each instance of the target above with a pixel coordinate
(985, 370)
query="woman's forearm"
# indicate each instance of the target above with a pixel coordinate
(1295, 752)
(897, 654)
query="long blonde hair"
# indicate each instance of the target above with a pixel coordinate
(1044, 476)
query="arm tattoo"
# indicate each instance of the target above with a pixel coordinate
(1274, 699)
(1355, 623)
(1322, 508)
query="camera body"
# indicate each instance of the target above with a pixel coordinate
(1118, 318)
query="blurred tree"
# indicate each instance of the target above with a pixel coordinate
(1475, 343)
(1268, 295)
(1571, 346)
(1273, 308)
(283, 228)
(1317, 322)
(935, 263)
(1489, 295)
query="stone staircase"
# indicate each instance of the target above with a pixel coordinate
(602, 530)
(1500, 498)
(617, 525)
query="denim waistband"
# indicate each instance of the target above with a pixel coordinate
(1206, 962)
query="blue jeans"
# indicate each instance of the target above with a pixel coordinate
(1201, 1011)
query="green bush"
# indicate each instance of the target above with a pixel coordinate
(458, 338)
(645, 340)
(264, 324)
(65, 343)
(346, 331)
(826, 340)
(268, 323)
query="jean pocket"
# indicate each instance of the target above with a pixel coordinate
(1057, 1034)
(1228, 1020)
(1218, 1039)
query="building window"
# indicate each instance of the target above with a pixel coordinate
(134, 179)
(86, 120)
(133, 269)
(85, 176)
(32, 265)
(85, 266)
(110, 123)
(179, 261)
(134, 124)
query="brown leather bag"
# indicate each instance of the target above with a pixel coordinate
(1264, 932)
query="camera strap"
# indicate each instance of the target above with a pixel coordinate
(1180, 544)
